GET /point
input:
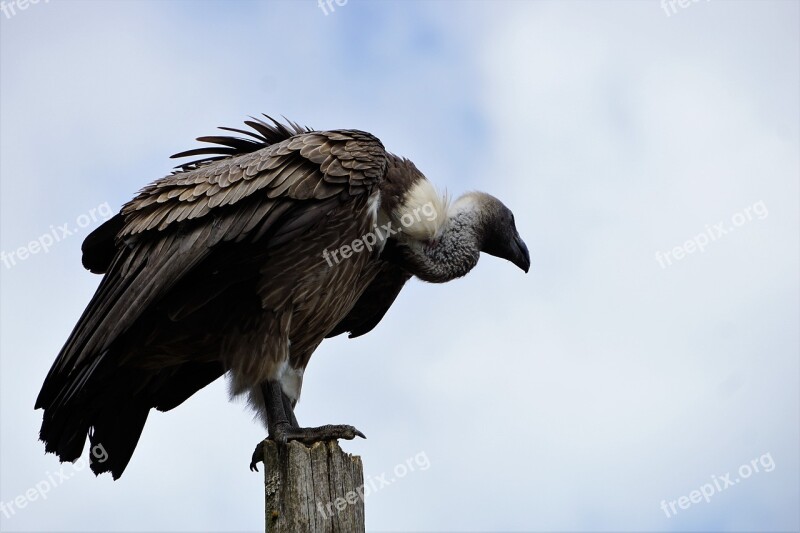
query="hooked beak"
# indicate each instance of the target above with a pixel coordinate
(521, 257)
(511, 248)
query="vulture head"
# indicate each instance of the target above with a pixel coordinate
(494, 223)
(476, 222)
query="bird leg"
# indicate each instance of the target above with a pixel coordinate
(283, 427)
(287, 408)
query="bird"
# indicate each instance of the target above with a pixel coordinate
(240, 263)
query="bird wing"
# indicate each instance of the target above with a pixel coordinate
(374, 302)
(369, 310)
(271, 196)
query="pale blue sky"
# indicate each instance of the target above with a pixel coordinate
(613, 130)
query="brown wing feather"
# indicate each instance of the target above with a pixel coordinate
(369, 310)
(186, 247)
(373, 304)
(152, 255)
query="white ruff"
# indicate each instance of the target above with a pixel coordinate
(423, 213)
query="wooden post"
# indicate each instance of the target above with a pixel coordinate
(316, 489)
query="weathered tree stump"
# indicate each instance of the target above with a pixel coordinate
(316, 489)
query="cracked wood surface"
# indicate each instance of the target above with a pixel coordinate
(313, 489)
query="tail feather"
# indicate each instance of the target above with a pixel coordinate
(114, 436)
(110, 405)
(64, 434)
(102, 407)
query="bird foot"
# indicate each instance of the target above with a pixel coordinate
(258, 457)
(283, 434)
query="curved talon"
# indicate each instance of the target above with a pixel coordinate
(258, 457)
(282, 434)
(318, 434)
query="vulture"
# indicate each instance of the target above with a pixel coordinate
(242, 262)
